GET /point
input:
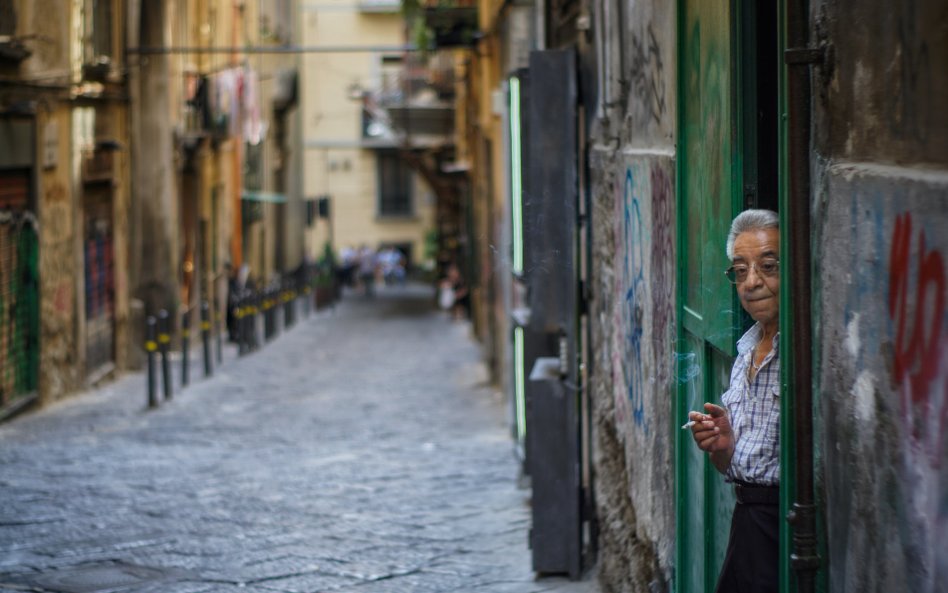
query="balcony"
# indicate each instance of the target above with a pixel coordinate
(452, 22)
(99, 165)
(424, 123)
(12, 51)
(414, 105)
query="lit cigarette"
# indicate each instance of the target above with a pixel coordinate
(688, 425)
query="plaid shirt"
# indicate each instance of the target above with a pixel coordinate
(754, 411)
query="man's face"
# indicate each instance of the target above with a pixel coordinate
(759, 293)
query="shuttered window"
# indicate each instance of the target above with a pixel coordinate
(394, 186)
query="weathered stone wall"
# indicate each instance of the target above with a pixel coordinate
(883, 376)
(58, 265)
(633, 389)
(55, 195)
(632, 168)
(881, 265)
(886, 92)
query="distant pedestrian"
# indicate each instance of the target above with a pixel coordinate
(348, 261)
(453, 293)
(392, 263)
(367, 270)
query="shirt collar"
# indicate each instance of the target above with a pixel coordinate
(751, 338)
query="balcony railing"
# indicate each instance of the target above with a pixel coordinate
(453, 22)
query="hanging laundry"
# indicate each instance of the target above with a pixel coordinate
(255, 127)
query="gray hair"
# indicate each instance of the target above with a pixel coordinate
(750, 220)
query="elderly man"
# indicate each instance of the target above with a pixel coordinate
(742, 438)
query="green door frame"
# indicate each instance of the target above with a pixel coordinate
(787, 435)
(743, 173)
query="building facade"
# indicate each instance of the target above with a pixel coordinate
(65, 196)
(214, 98)
(356, 76)
(147, 153)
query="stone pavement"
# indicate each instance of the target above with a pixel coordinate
(361, 451)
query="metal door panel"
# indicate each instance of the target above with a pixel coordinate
(551, 273)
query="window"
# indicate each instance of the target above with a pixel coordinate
(97, 38)
(7, 18)
(391, 88)
(275, 20)
(395, 186)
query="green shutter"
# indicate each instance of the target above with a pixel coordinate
(709, 196)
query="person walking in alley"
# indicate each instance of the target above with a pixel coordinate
(742, 437)
(367, 270)
(459, 301)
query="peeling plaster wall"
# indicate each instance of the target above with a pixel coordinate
(887, 88)
(883, 376)
(881, 294)
(633, 388)
(58, 266)
(56, 199)
(632, 316)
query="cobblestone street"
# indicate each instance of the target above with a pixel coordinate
(361, 451)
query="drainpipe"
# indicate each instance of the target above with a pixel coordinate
(802, 517)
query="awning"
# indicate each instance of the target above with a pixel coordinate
(263, 196)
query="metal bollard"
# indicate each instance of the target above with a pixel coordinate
(255, 338)
(220, 337)
(164, 342)
(279, 320)
(279, 316)
(289, 299)
(185, 348)
(206, 337)
(308, 292)
(151, 347)
(254, 312)
(249, 322)
(269, 316)
(239, 325)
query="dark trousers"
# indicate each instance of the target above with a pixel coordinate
(753, 547)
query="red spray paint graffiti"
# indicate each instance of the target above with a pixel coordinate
(917, 350)
(916, 355)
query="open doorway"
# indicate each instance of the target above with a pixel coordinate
(759, 72)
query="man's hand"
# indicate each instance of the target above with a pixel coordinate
(712, 433)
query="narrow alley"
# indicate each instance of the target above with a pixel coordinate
(361, 451)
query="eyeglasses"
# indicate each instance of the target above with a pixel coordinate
(768, 267)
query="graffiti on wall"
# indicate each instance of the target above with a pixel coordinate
(886, 470)
(643, 312)
(648, 72)
(628, 308)
(633, 301)
(662, 270)
(916, 310)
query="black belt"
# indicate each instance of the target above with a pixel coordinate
(756, 493)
